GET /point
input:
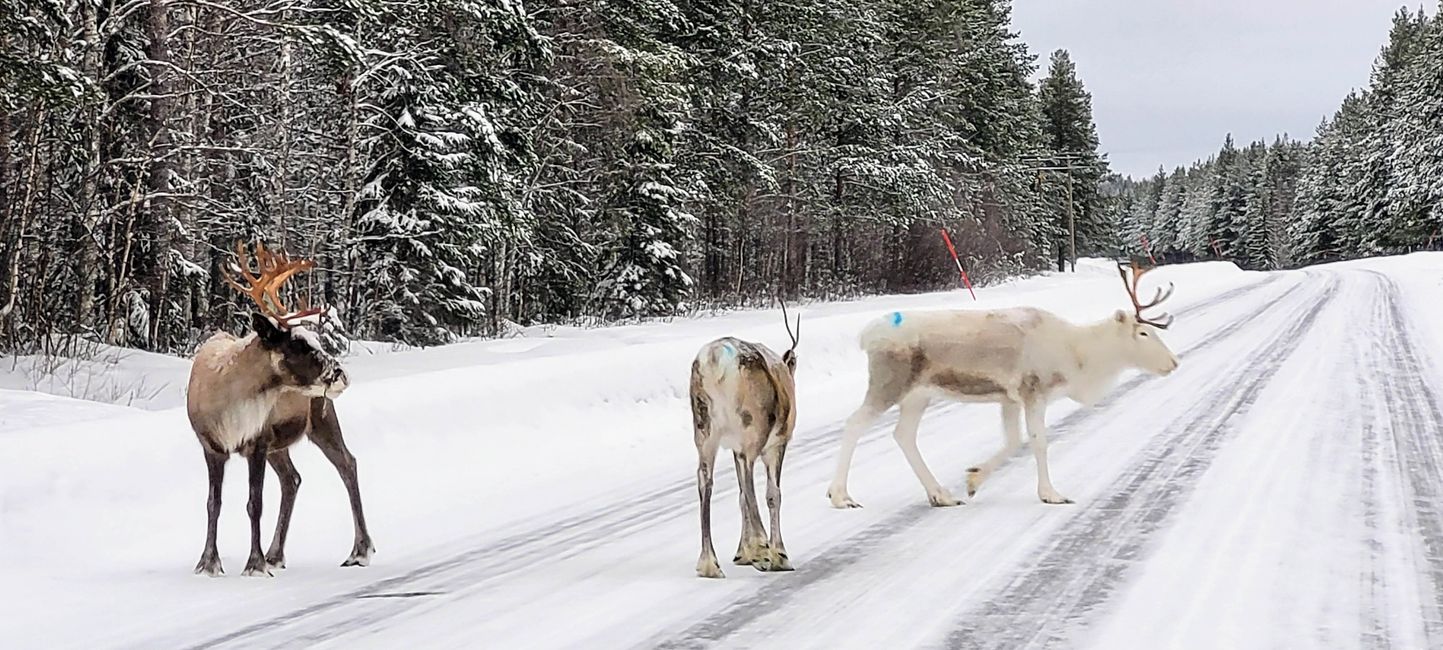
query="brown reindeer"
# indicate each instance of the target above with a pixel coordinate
(743, 397)
(258, 395)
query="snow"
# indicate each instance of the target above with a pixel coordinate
(100, 373)
(538, 492)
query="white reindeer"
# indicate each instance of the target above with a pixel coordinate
(743, 397)
(1021, 358)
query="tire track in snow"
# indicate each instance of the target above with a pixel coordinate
(573, 535)
(1414, 423)
(1374, 617)
(1094, 550)
(721, 624)
(468, 570)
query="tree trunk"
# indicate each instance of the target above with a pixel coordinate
(158, 217)
(87, 264)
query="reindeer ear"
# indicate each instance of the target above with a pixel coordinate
(1120, 316)
(270, 335)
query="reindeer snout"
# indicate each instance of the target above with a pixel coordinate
(1173, 364)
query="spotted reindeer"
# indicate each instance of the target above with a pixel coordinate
(1021, 358)
(258, 395)
(743, 398)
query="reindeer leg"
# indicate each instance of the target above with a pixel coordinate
(256, 460)
(773, 459)
(1037, 431)
(326, 433)
(859, 422)
(754, 549)
(706, 565)
(743, 555)
(209, 563)
(280, 461)
(906, 435)
(1012, 433)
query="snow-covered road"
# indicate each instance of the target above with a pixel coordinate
(1281, 489)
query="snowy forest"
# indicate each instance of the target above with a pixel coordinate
(1369, 183)
(464, 167)
(461, 167)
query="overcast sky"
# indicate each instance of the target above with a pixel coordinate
(1170, 78)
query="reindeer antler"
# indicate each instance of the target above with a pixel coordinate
(1161, 295)
(794, 336)
(263, 287)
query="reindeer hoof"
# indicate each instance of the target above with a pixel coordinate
(841, 500)
(276, 560)
(257, 567)
(779, 561)
(1055, 499)
(756, 554)
(708, 568)
(209, 565)
(360, 555)
(942, 499)
(974, 481)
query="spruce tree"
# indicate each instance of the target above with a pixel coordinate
(1417, 138)
(1072, 144)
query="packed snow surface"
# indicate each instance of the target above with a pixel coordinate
(1283, 488)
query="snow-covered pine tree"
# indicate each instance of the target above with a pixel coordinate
(1416, 194)
(1072, 143)
(1387, 230)
(1255, 224)
(1196, 214)
(430, 209)
(1163, 235)
(1282, 166)
(1229, 195)
(644, 269)
(1313, 233)
(1136, 211)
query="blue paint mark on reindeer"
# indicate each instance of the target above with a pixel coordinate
(728, 351)
(896, 319)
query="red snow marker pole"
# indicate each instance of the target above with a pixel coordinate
(1216, 251)
(1147, 248)
(948, 241)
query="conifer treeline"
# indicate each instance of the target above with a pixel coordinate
(457, 165)
(1369, 183)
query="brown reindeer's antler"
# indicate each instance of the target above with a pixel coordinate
(263, 287)
(1161, 295)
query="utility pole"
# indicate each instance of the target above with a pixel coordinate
(1054, 163)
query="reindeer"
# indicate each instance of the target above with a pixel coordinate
(258, 395)
(1021, 358)
(743, 397)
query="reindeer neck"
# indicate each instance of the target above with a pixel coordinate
(251, 371)
(1099, 361)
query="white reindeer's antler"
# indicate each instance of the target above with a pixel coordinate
(1161, 295)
